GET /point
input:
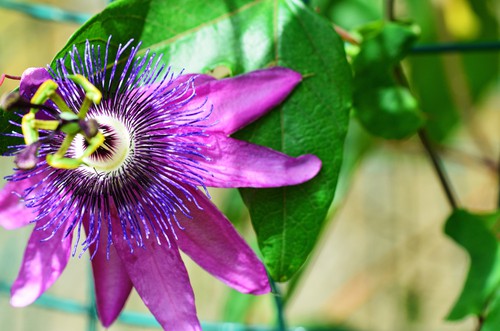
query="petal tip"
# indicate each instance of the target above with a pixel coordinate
(20, 300)
(106, 322)
(306, 168)
(315, 164)
(289, 75)
(264, 288)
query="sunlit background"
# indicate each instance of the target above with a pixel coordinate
(383, 263)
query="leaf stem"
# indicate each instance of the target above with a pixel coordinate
(389, 10)
(480, 322)
(346, 35)
(278, 301)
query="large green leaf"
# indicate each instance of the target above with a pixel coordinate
(314, 120)
(244, 35)
(191, 34)
(475, 234)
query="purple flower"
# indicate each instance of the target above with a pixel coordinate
(140, 195)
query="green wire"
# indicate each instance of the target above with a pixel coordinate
(45, 12)
(129, 318)
(52, 13)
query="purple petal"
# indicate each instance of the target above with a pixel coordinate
(236, 163)
(43, 263)
(160, 278)
(31, 79)
(213, 243)
(13, 212)
(240, 100)
(112, 284)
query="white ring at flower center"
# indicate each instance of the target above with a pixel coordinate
(121, 146)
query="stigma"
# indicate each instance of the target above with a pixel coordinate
(112, 154)
(73, 125)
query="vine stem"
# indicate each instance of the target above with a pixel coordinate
(389, 10)
(438, 167)
(497, 224)
(278, 302)
(422, 133)
(3, 76)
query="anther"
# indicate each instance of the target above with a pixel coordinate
(90, 127)
(10, 100)
(65, 121)
(28, 157)
(14, 100)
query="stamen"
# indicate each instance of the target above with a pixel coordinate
(67, 122)
(92, 94)
(14, 100)
(27, 158)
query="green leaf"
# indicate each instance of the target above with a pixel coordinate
(244, 35)
(474, 233)
(492, 319)
(6, 117)
(383, 107)
(191, 34)
(389, 112)
(383, 46)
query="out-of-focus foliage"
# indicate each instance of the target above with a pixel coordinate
(385, 107)
(457, 21)
(476, 234)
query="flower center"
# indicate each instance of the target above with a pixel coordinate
(66, 121)
(112, 154)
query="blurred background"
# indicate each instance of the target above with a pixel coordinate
(383, 262)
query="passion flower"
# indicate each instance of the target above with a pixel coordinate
(125, 154)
